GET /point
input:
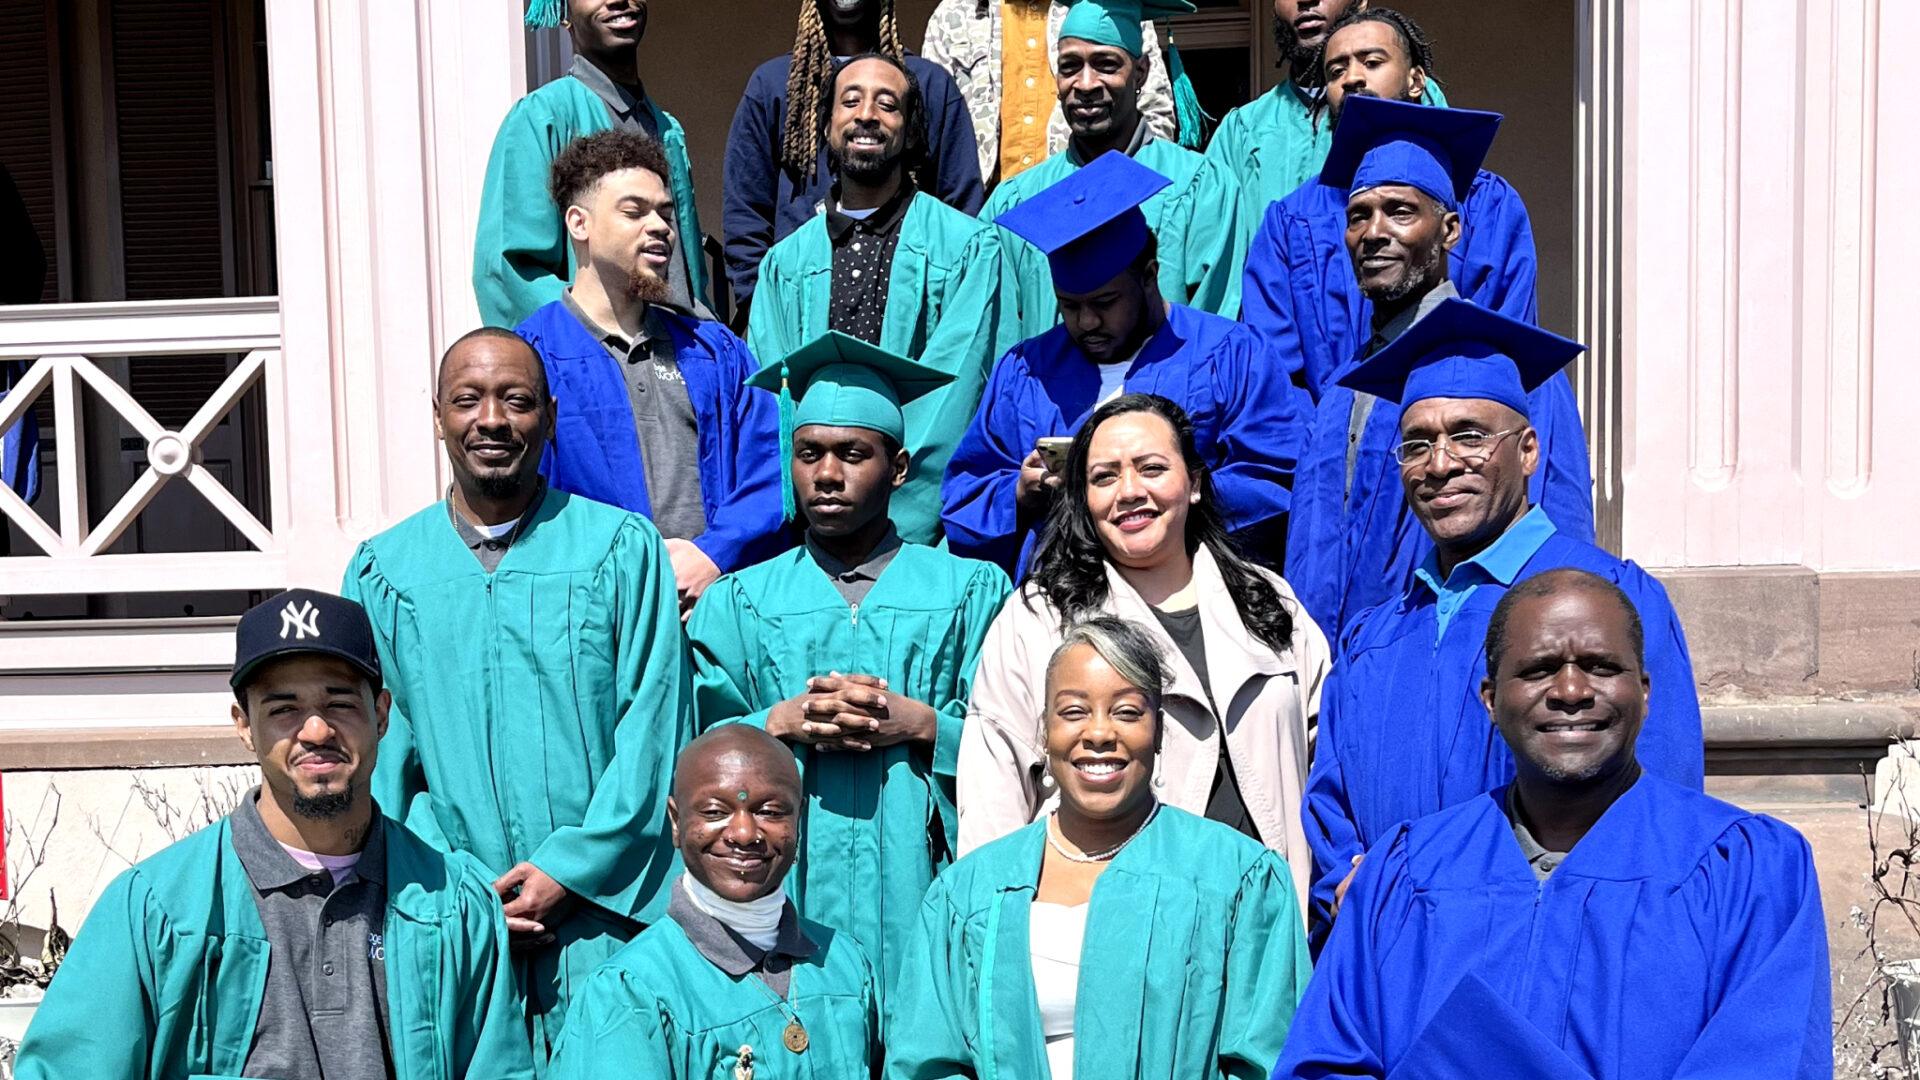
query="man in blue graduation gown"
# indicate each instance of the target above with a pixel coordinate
(895, 267)
(1299, 290)
(1351, 541)
(540, 686)
(655, 416)
(774, 183)
(1117, 335)
(1402, 732)
(1589, 921)
(857, 649)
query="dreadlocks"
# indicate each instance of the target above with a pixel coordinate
(1413, 39)
(809, 77)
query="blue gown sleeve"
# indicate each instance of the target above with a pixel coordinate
(979, 504)
(956, 156)
(1337, 1029)
(1266, 293)
(1262, 432)
(1325, 809)
(723, 635)
(1501, 224)
(620, 856)
(1564, 482)
(1758, 895)
(1672, 742)
(399, 782)
(746, 524)
(750, 184)
(1267, 969)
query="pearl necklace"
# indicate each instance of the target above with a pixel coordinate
(1053, 826)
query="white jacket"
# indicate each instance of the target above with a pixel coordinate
(1272, 701)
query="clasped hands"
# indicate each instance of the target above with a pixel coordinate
(853, 713)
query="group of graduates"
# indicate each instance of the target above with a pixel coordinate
(702, 730)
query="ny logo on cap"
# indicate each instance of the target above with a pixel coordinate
(299, 621)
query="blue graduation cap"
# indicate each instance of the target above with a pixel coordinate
(1380, 142)
(1462, 350)
(1089, 224)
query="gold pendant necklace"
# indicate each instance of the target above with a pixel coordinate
(795, 1036)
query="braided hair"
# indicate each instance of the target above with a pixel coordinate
(1070, 566)
(1413, 39)
(808, 78)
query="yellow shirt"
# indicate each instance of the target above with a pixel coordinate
(1027, 91)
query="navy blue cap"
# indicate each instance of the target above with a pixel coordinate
(1089, 224)
(1436, 150)
(1462, 350)
(299, 622)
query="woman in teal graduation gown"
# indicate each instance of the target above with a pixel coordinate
(1194, 952)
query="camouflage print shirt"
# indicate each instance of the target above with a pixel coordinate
(966, 42)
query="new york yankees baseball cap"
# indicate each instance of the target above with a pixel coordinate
(301, 621)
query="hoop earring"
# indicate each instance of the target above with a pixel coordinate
(566, 24)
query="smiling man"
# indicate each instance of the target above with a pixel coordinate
(657, 418)
(304, 934)
(1118, 335)
(1408, 175)
(892, 266)
(521, 255)
(1588, 921)
(1101, 72)
(1402, 733)
(733, 981)
(532, 642)
(858, 649)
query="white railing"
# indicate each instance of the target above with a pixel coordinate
(61, 341)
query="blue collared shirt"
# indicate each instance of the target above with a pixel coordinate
(1500, 563)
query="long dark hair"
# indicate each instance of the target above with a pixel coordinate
(1070, 566)
(913, 112)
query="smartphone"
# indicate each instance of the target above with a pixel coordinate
(1053, 450)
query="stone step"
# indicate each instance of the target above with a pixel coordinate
(1804, 752)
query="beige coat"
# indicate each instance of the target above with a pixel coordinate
(1272, 703)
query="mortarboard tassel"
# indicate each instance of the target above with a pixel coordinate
(545, 14)
(786, 447)
(1192, 121)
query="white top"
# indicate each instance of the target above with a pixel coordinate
(1054, 938)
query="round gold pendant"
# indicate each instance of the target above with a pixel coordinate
(795, 1037)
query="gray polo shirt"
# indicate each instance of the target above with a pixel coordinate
(631, 111)
(664, 423)
(324, 1013)
(1542, 861)
(736, 955)
(855, 581)
(491, 549)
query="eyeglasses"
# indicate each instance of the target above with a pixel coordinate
(1469, 448)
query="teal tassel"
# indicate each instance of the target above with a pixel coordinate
(545, 14)
(1193, 121)
(786, 448)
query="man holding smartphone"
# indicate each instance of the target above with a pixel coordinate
(1117, 334)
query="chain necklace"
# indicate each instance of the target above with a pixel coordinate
(1055, 842)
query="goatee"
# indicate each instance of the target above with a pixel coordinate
(647, 286)
(501, 485)
(323, 807)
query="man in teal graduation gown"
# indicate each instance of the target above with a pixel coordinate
(858, 649)
(532, 642)
(732, 979)
(521, 258)
(895, 267)
(1588, 921)
(304, 934)
(1196, 220)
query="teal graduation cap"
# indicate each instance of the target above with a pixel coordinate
(1380, 142)
(840, 381)
(1117, 22)
(1089, 223)
(1462, 350)
(545, 14)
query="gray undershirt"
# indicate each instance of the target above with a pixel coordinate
(632, 112)
(1399, 324)
(736, 955)
(664, 423)
(324, 1011)
(855, 582)
(491, 549)
(1543, 862)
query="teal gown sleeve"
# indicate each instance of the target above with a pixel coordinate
(490, 1021)
(521, 260)
(610, 1022)
(932, 1002)
(723, 642)
(399, 778)
(1267, 969)
(986, 594)
(1203, 243)
(771, 320)
(620, 857)
(97, 1017)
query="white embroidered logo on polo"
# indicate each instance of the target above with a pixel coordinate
(301, 622)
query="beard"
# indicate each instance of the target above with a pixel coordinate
(500, 485)
(1421, 277)
(325, 806)
(1300, 58)
(647, 287)
(863, 166)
